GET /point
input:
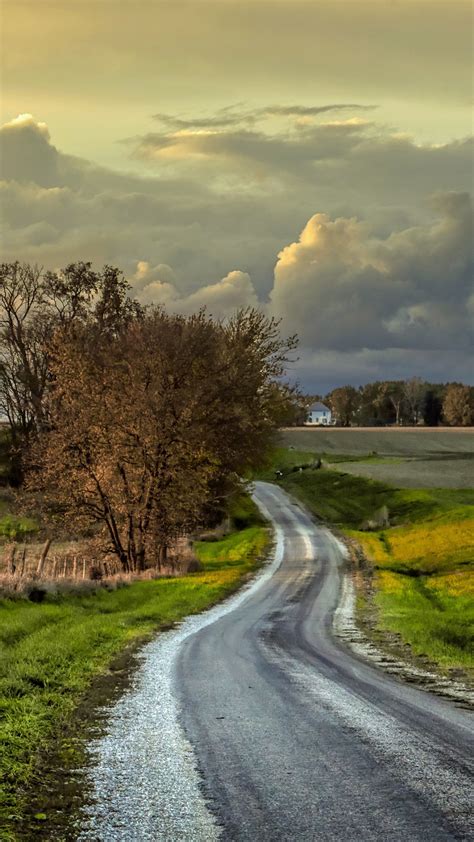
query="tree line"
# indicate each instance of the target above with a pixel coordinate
(400, 402)
(126, 420)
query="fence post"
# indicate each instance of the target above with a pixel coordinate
(11, 559)
(43, 556)
(23, 560)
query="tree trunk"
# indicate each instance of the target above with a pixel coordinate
(162, 556)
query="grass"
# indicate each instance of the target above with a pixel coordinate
(422, 562)
(51, 652)
(284, 459)
(434, 620)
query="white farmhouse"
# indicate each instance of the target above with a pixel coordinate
(319, 413)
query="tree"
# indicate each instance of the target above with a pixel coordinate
(458, 405)
(153, 425)
(433, 407)
(24, 330)
(393, 393)
(33, 305)
(371, 411)
(300, 408)
(344, 402)
(414, 392)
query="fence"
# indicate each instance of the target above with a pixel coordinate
(33, 562)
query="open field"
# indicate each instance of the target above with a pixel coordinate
(388, 441)
(52, 651)
(407, 457)
(435, 472)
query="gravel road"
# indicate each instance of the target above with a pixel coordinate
(295, 738)
(251, 722)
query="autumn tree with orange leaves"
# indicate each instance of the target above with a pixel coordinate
(152, 426)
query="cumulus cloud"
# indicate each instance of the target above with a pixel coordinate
(341, 287)
(352, 295)
(26, 152)
(156, 285)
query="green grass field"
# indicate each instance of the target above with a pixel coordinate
(422, 562)
(52, 651)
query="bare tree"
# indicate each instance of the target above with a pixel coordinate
(414, 393)
(392, 392)
(23, 330)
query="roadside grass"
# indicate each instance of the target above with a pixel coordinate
(436, 622)
(426, 548)
(52, 651)
(284, 459)
(422, 563)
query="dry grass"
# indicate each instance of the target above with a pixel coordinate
(25, 571)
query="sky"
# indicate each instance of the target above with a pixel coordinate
(312, 158)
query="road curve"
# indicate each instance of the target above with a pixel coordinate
(297, 739)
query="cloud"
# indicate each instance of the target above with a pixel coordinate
(321, 371)
(26, 152)
(277, 154)
(342, 288)
(314, 110)
(359, 303)
(236, 115)
(352, 160)
(377, 272)
(156, 285)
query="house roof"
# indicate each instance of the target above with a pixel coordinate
(318, 406)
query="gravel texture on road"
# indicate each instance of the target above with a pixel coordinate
(254, 722)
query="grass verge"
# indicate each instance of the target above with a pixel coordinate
(52, 652)
(421, 564)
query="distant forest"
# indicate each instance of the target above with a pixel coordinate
(396, 402)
